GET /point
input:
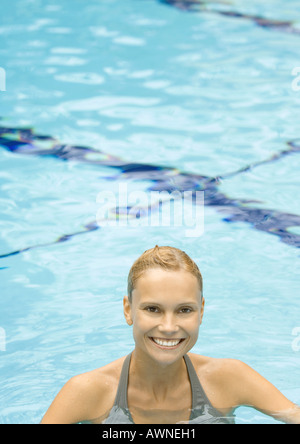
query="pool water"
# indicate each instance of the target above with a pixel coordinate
(198, 92)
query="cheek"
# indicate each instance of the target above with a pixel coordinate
(192, 324)
(143, 325)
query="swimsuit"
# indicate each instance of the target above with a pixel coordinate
(202, 411)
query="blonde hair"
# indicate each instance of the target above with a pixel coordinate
(167, 258)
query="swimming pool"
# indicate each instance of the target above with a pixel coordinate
(201, 95)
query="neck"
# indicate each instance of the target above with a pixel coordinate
(154, 377)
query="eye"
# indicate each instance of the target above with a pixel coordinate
(152, 309)
(186, 310)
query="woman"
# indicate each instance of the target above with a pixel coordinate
(159, 382)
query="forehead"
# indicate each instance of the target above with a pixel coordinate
(156, 283)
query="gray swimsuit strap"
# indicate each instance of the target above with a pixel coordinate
(198, 394)
(121, 396)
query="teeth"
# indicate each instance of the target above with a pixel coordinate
(167, 343)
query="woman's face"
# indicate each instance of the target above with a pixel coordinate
(166, 312)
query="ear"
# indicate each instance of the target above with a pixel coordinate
(127, 310)
(202, 310)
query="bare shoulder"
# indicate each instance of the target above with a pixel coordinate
(215, 367)
(224, 372)
(98, 387)
(86, 396)
(229, 383)
(100, 378)
(219, 378)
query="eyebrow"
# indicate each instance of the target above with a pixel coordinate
(159, 305)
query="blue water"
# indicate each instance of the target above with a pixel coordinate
(201, 92)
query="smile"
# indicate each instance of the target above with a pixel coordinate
(167, 343)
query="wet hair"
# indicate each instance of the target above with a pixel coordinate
(166, 258)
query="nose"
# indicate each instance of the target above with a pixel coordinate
(168, 324)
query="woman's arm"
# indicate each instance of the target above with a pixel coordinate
(254, 390)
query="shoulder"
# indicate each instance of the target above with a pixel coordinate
(222, 378)
(99, 378)
(231, 383)
(216, 366)
(86, 396)
(98, 386)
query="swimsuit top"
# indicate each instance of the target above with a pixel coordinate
(202, 411)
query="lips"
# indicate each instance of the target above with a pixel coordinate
(167, 343)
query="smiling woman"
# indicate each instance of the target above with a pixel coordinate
(165, 306)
